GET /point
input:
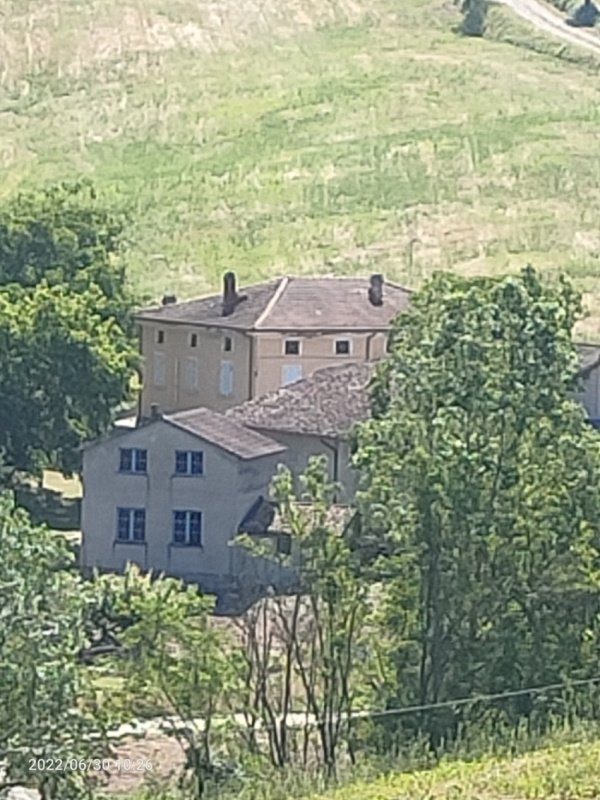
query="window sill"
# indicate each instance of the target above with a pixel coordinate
(130, 472)
(139, 542)
(188, 475)
(182, 546)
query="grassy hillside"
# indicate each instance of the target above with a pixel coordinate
(277, 136)
(561, 773)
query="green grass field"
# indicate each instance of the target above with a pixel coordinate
(330, 136)
(559, 773)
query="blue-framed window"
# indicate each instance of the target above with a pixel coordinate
(131, 524)
(133, 460)
(187, 528)
(189, 462)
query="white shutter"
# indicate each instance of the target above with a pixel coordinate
(159, 369)
(226, 382)
(190, 374)
(290, 373)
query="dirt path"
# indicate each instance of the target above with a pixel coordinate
(553, 23)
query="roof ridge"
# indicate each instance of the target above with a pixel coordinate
(214, 295)
(273, 301)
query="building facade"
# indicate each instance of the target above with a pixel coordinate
(170, 495)
(223, 350)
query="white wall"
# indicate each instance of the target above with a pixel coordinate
(300, 448)
(223, 494)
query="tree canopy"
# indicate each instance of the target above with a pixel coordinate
(66, 333)
(481, 474)
(63, 236)
(43, 686)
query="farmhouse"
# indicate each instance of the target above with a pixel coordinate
(170, 495)
(273, 376)
(223, 350)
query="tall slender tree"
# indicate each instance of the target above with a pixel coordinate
(481, 474)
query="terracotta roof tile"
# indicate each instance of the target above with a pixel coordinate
(225, 433)
(293, 304)
(208, 311)
(333, 304)
(328, 403)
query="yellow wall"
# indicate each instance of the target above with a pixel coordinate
(316, 352)
(259, 363)
(193, 374)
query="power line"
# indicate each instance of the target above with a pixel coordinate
(304, 721)
(482, 698)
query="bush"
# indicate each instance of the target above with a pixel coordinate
(475, 17)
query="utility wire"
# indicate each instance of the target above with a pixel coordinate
(482, 698)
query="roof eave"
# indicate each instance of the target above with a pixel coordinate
(274, 451)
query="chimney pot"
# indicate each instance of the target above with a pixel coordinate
(169, 300)
(376, 290)
(230, 296)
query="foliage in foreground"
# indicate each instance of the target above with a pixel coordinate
(477, 545)
(480, 481)
(553, 774)
(559, 768)
(66, 338)
(43, 685)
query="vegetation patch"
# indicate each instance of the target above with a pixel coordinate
(367, 140)
(553, 774)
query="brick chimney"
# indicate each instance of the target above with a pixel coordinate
(155, 412)
(230, 295)
(376, 290)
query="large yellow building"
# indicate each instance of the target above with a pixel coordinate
(222, 350)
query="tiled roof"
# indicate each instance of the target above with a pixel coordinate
(332, 400)
(224, 433)
(207, 311)
(293, 304)
(328, 403)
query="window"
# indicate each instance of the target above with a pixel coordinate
(187, 528)
(132, 459)
(284, 544)
(226, 379)
(131, 524)
(228, 344)
(194, 340)
(290, 373)
(292, 347)
(342, 347)
(189, 462)
(159, 377)
(160, 337)
(190, 374)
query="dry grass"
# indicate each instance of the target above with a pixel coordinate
(307, 136)
(559, 773)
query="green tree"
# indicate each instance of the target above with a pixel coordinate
(64, 236)
(481, 476)
(474, 17)
(64, 368)
(173, 657)
(67, 348)
(46, 706)
(309, 651)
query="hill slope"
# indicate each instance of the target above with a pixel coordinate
(559, 773)
(273, 136)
